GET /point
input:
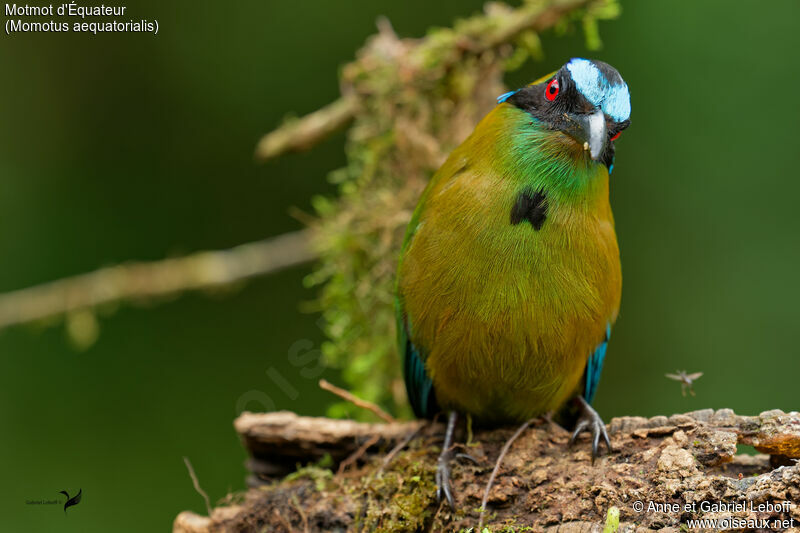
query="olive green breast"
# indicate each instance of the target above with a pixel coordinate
(507, 314)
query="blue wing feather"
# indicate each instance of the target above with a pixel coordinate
(418, 384)
(594, 367)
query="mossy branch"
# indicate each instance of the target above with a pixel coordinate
(301, 134)
(146, 281)
(476, 35)
(542, 484)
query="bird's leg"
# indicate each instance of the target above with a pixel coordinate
(591, 421)
(443, 464)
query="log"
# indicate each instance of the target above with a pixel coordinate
(678, 468)
(277, 442)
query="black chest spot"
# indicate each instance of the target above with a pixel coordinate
(530, 207)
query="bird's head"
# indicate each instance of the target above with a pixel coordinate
(587, 100)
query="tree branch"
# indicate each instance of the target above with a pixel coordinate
(301, 134)
(542, 484)
(278, 441)
(147, 280)
(477, 35)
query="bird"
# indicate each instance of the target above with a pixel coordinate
(509, 278)
(686, 380)
(75, 500)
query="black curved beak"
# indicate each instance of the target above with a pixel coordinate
(589, 129)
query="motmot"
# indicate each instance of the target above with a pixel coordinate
(509, 279)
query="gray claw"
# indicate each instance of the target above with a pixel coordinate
(443, 478)
(579, 427)
(590, 420)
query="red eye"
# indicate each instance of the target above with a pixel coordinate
(615, 137)
(552, 90)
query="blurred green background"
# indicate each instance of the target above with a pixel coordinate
(131, 146)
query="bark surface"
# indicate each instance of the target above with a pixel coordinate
(679, 468)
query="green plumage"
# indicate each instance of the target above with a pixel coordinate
(509, 276)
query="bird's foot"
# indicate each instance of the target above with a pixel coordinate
(443, 488)
(590, 421)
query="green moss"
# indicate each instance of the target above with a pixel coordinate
(402, 499)
(319, 472)
(320, 476)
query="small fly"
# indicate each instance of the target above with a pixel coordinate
(686, 380)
